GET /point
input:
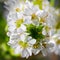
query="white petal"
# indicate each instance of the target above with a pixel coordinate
(19, 30)
(29, 50)
(35, 22)
(11, 28)
(13, 43)
(27, 20)
(22, 37)
(36, 51)
(44, 32)
(25, 53)
(33, 41)
(14, 37)
(29, 38)
(9, 33)
(23, 27)
(44, 52)
(18, 50)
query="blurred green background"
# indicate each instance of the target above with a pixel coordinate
(5, 51)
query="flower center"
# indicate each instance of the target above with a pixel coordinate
(44, 44)
(23, 44)
(36, 45)
(18, 22)
(42, 20)
(47, 28)
(33, 16)
(17, 9)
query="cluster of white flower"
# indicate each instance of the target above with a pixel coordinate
(32, 30)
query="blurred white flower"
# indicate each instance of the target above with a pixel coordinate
(32, 30)
(14, 5)
(31, 14)
(56, 38)
(22, 44)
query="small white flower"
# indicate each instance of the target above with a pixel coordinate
(22, 44)
(31, 11)
(14, 5)
(45, 5)
(56, 38)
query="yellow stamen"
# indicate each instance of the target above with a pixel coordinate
(47, 28)
(36, 45)
(17, 9)
(58, 42)
(19, 22)
(42, 20)
(23, 44)
(33, 16)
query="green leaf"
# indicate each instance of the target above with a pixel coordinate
(35, 31)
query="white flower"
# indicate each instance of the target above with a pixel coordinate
(20, 30)
(56, 38)
(31, 14)
(48, 45)
(22, 44)
(32, 30)
(48, 48)
(45, 5)
(14, 21)
(14, 5)
(44, 47)
(48, 18)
